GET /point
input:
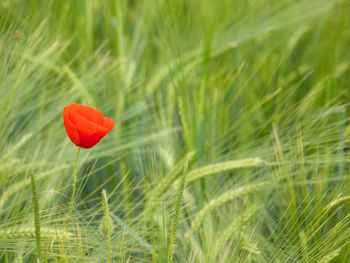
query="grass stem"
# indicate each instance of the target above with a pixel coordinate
(74, 185)
(107, 224)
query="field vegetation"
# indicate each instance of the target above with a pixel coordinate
(231, 137)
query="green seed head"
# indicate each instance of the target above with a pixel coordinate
(106, 226)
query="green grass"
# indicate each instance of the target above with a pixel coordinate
(253, 95)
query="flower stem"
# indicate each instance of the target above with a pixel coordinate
(36, 217)
(74, 184)
(107, 220)
(177, 213)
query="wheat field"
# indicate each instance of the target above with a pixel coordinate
(231, 135)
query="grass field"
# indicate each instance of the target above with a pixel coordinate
(244, 102)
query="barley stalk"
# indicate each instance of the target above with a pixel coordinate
(222, 199)
(15, 233)
(36, 217)
(168, 180)
(223, 167)
(177, 213)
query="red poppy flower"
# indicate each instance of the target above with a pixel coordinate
(84, 125)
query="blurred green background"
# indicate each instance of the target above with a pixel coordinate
(253, 95)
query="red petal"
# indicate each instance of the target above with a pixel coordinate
(89, 113)
(86, 129)
(108, 124)
(70, 127)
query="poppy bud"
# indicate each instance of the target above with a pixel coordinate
(105, 224)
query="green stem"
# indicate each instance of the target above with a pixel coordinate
(108, 221)
(74, 184)
(36, 217)
(177, 213)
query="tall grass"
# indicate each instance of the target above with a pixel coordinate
(252, 94)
